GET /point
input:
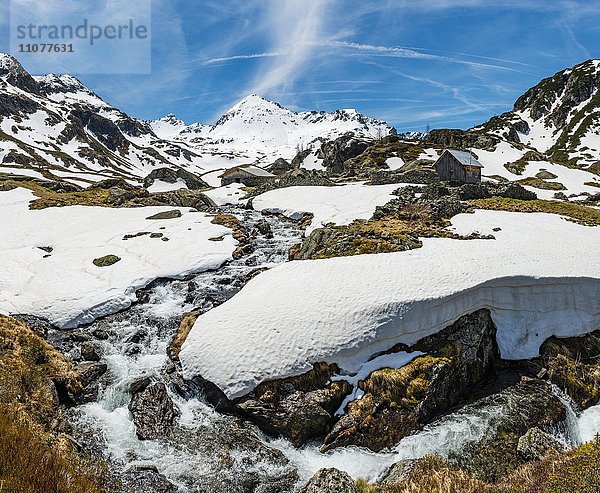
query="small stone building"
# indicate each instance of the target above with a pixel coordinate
(248, 174)
(458, 167)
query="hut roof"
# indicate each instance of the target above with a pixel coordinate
(465, 158)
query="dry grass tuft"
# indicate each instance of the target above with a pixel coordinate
(404, 386)
(32, 458)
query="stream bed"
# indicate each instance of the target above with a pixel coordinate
(211, 452)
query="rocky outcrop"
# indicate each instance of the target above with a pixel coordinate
(106, 261)
(330, 481)
(89, 373)
(147, 479)
(280, 167)
(299, 408)
(571, 363)
(463, 139)
(171, 175)
(335, 152)
(229, 456)
(153, 411)
(172, 214)
(297, 178)
(398, 402)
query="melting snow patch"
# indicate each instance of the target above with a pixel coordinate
(46, 256)
(538, 277)
(339, 205)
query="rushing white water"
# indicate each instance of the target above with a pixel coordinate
(447, 436)
(588, 424)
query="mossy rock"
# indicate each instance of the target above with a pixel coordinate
(545, 175)
(173, 214)
(106, 260)
(542, 184)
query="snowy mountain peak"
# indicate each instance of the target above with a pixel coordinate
(52, 84)
(559, 116)
(13, 73)
(9, 63)
(253, 101)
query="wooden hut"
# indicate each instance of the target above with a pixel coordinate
(458, 167)
(248, 174)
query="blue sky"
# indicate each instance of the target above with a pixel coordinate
(447, 63)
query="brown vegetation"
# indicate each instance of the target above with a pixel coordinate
(33, 458)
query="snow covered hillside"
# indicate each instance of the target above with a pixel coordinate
(54, 127)
(48, 255)
(560, 117)
(537, 278)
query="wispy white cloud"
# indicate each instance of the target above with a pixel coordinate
(399, 52)
(296, 29)
(242, 57)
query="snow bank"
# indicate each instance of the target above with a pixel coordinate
(339, 205)
(163, 186)
(229, 194)
(540, 277)
(64, 285)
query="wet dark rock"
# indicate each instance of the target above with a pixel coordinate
(264, 228)
(299, 408)
(90, 351)
(139, 385)
(536, 444)
(200, 388)
(243, 463)
(132, 349)
(153, 412)
(90, 371)
(330, 481)
(137, 337)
